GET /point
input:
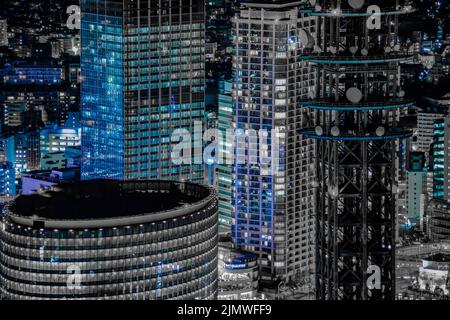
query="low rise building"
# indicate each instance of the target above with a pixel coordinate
(43, 180)
(434, 275)
(238, 273)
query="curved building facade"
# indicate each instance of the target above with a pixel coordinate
(104, 239)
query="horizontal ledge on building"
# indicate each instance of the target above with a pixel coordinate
(345, 106)
(389, 136)
(352, 60)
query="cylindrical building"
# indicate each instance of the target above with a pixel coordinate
(105, 239)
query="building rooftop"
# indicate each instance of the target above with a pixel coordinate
(439, 257)
(274, 4)
(86, 201)
(55, 175)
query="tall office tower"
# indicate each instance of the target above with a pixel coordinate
(358, 100)
(437, 156)
(416, 191)
(446, 150)
(273, 194)
(3, 33)
(224, 169)
(142, 65)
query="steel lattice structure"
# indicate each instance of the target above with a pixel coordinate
(357, 106)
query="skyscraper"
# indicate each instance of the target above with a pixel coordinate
(357, 107)
(273, 196)
(437, 156)
(225, 170)
(446, 150)
(416, 190)
(142, 65)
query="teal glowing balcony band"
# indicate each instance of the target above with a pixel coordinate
(353, 13)
(343, 137)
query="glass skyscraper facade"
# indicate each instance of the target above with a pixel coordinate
(273, 196)
(102, 89)
(143, 77)
(225, 170)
